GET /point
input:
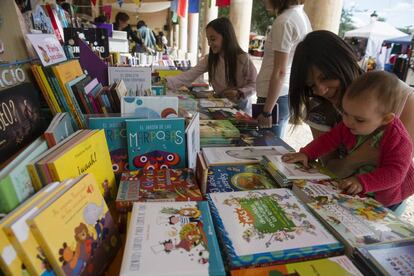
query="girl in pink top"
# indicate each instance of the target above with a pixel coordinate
(368, 115)
(230, 70)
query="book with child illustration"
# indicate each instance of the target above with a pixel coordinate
(151, 107)
(268, 227)
(171, 238)
(238, 178)
(361, 221)
(156, 143)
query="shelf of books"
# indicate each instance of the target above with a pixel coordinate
(106, 172)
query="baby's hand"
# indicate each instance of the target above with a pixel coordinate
(350, 186)
(296, 157)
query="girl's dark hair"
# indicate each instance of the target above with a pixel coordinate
(332, 56)
(121, 16)
(282, 5)
(230, 48)
(140, 24)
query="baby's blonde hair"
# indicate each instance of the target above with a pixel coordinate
(382, 86)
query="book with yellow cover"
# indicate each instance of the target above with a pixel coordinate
(10, 261)
(89, 155)
(66, 72)
(44, 88)
(22, 239)
(76, 230)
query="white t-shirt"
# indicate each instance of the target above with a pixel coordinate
(288, 29)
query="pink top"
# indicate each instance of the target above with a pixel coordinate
(245, 76)
(393, 179)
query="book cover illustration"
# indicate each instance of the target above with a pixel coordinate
(48, 48)
(268, 226)
(136, 79)
(216, 102)
(21, 121)
(168, 185)
(338, 266)
(156, 143)
(150, 107)
(238, 178)
(41, 20)
(174, 238)
(362, 221)
(76, 230)
(218, 128)
(229, 113)
(393, 259)
(239, 155)
(128, 191)
(316, 190)
(115, 133)
(296, 170)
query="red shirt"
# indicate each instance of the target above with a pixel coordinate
(393, 179)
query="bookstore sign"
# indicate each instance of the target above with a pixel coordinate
(11, 76)
(97, 38)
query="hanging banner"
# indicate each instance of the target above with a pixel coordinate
(193, 6)
(182, 8)
(222, 3)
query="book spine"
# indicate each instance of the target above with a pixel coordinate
(77, 108)
(8, 196)
(83, 100)
(94, 104)
(49, 89)
(46, 96)
(36, 182)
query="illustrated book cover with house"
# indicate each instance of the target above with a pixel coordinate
(171, 238)
(268, 226)
(156, 143)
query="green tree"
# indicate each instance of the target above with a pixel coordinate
(224, 11)
(346, 23)
(260, 18)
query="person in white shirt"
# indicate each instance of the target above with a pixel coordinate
(272, 84)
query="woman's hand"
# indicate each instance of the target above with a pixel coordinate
(351, 186)
(296, 157)
(264, 122)
(231, 94)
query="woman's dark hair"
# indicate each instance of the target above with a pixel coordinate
(121, 16)
(332, 56)
(282, 5)
(100, 19)
(140, 24)
(230, 48)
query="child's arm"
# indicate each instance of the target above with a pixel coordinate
(394, 163)
(296, 157)
(326, 143)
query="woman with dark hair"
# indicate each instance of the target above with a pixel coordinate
(230, 70)
(289, 27)
(323, 67)
(122, 24)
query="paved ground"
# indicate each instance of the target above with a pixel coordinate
(300, 135)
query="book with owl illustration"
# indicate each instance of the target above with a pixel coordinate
(268, 227)
(76, 231)
(361, 221)
(156, 143)
(171, 238)
(238, 178)
(151, 107)
(157, 185)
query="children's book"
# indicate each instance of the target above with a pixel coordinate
(136, 79)
(268, 226)
(115, 132)
(316, 190)
(218, 128)
(88, 155)
(128, 191)
(171, 238)
(238, 178)
(15, 183)
(59, 129)
(390, 259)
(48, 48)
(150, 107)
(21, 121)
(201, 172)
(10, 261)
(338, 266)
(216, 102)
(18, 232)
(238, 117)
(239, 155)
(76, 231)
(156, 143)
(193, 140)
(361, 221)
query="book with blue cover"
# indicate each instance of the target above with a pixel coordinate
(268, 227)
(171, 238)
(238, 178)
(156, 143)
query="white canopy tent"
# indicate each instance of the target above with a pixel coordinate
(144, 7)
(376, 32)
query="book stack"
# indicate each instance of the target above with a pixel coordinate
(178, 235)
(268, 227)
(238, 118)
(217, 133)
(285, 173)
